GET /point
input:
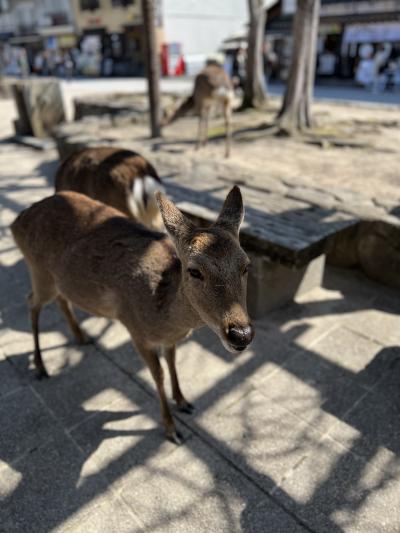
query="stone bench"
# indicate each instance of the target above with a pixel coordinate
(287, 239)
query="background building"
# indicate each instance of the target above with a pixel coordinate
(111, 36)
(345, 25)
(34, 25)
(200, 27)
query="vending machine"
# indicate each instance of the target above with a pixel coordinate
(172, 62)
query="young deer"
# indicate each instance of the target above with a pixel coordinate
(120, 178)
(211, 85)
(82, 252)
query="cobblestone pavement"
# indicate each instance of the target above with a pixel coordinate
(299, 433)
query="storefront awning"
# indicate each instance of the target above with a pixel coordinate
(56, 31)
(25, 39)
(372, 33)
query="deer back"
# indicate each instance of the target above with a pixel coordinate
(118, 177)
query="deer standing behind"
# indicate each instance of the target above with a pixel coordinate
(82, 252)
(211, 85)
(118, 177)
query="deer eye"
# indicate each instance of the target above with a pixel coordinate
(195, 273)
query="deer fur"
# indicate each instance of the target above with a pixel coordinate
(82, 252)
(118, 177)
(211, 85)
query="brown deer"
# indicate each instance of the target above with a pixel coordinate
(118, 177)
(82, 252)
(211, 85)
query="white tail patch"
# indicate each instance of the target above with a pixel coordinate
(223, 93)
(142, 202)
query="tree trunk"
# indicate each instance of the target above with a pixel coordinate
(152, 65)
(295, 113)
(254, 90)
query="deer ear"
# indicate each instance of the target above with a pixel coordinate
(232, 212)
(177, 225)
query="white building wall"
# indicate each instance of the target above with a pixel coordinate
(202, 25)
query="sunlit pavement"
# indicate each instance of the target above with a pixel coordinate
(298, 433)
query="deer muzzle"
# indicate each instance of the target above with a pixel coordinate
(239, 337)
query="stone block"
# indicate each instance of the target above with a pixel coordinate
(271, 284)
(40, 106)
(379, 252)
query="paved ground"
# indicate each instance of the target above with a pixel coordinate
(299, 433)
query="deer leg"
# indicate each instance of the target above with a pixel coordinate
(151, 358)
(182, 403)
(66, 308)
(34, 310)
(200, 131)
(205, 133)
(228, 128)
(43, 291)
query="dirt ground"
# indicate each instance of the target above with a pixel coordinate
(353, 146)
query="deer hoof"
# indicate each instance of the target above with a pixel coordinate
(41, 373)
(84, 339)
(186, 407)
(176, 437)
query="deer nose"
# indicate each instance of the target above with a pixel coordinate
(240, 337)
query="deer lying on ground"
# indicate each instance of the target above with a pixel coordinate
(120, 178)
(82, 252)
(211, 85)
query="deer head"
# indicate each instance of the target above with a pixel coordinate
(214, 268)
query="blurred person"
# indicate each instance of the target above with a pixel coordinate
(239, 67)
(326, 63)
(50, 62)
(381, 58)
(270, 61)
(228, 64)
(59, 69)
(23, 63)
(38, 64)
(364, 74)
(69, 65)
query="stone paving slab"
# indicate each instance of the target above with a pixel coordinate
(374, 425)
(45, 491)
(259, 436)
(342, 492)
(349, 351)
(314, 391)
(88, 386)
(9, 379)
(25, 423)
(192, 490)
